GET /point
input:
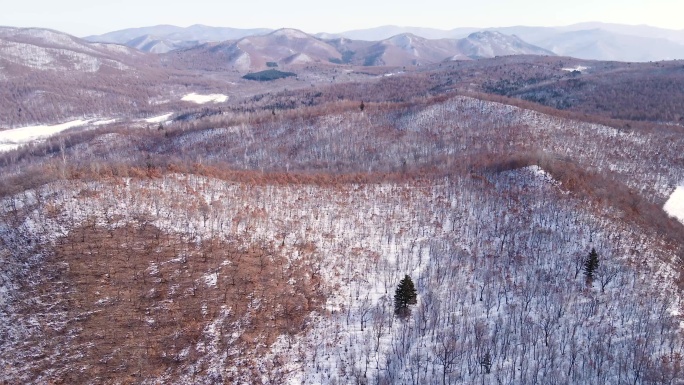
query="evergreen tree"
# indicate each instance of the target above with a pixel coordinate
(404, 296)
(590, 266)
(486, 363)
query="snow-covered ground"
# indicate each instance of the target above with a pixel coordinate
(579, 68)
(393, 73)
(12, 139)
(497, 261)
(497, 266)
(103, 122)
(674, 206)
(159, 119)
(202, 99)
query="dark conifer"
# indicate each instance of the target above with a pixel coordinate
(404, 296)
(590, 266)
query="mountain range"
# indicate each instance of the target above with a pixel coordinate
(594, 41)
(165, 38)
(291, 46)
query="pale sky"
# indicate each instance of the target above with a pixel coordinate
(81, 17)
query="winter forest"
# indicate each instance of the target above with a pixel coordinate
(144, 261)
(284, 208)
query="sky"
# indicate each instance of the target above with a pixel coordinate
(88, 17)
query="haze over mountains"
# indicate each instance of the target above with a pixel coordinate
(595, 41)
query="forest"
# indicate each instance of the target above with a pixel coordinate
(494, 221)
(248, 247)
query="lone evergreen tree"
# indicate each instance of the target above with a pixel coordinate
(486, 363)
(590, 266)
(404, 296)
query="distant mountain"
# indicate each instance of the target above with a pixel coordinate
(49, 76)
(490, 44)
(125, 35)
(284, 46)
(165, 38)
(597, 41)
(43, 49)
(593, 40)
(388, 31)
(152, 44)
(155, 44)
(598, 44)
(291, 47)
(676, 36)
(407, 49)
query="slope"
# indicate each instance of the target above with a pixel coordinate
(274, 259)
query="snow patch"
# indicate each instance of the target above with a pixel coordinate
(542, 174)
(674, 206)
(103, 122)
(393, 73)
(202, 99)
(12, 139)
(211, 279)
(578, 68)
(290, 33)
(159, 119)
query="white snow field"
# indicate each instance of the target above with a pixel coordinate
(159, 119)
(103, 122)
(674, 206)
(203, 99)
(12, 139)
(578, 68)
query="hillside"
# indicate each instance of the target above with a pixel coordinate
(276, 257)
(46, 50)
(48, 76)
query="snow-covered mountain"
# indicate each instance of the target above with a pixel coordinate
(43, 49)
(51, 77)
(408, 49)
(676, 36)
(169, 37)
(490, 44)
(152, 44)
(289, 46)
(599, 44)
(595, 41)
(284, 46)
(388, 31)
